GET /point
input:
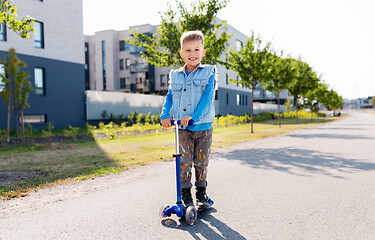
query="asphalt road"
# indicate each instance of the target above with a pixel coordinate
(314, 183)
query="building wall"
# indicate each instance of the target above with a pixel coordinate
(64, 99)
(62, 59)
(63, 30)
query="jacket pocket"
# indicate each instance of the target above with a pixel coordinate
(200, 82)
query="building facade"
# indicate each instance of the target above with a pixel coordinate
(55, 60)
(114, 65)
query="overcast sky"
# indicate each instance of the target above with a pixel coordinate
(336, 37)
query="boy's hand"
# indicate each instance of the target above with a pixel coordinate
(166, 122)
(185, 120)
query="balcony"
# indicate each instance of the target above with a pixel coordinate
(140, 87)
(140, 67)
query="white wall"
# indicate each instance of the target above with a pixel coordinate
(121, 103)
(63, 30)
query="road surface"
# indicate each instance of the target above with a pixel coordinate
(314, 183)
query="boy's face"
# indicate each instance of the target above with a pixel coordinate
(192, 52)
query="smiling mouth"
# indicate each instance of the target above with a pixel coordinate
(193, 59)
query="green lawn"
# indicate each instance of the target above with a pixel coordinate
(60, 163)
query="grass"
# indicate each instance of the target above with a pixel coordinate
(54, 164)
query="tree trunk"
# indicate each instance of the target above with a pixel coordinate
(22, 124)
(15, 110)
(8, 123)
(296, 110)
(278, 102)
(252, 107)
(311, 109)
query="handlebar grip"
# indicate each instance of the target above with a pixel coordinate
(191, 122)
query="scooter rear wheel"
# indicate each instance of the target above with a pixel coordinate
(162, 210)
(191, 215)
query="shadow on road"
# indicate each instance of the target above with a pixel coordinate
(330, 136)
(291, 159)
(204, 227)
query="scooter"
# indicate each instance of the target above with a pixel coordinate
(190, 213)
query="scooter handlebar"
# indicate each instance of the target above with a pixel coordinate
(173, 122)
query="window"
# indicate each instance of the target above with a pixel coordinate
(39, 35)
(246, 100)
(122, 83)
(121, 64)
(39, 81)
(237, 81)
(239, 45)
(104, 66)
(34, 118)
(2, 72)
(257, 93)
(125, 83)
(3, 31)
(227, 79)
(127, 63)
(227, 98)
(238, 99)
(163, 81)
(124, 46)
(216, 97)
(269, 94)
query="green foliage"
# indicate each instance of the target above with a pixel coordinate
(373, 100)
(252, 64)
(288, 106)
(140, 118)
(3, 135)
(263, 116)
(104, 115)
(162, 49)
(49, 131)
(132, 118)
(8, 14)
(71, 132)
(17, 86)
(29, 131)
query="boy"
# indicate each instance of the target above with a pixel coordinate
(191, 95)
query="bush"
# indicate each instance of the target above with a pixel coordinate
(49, 131)
(141, 118)
(71, 132)
(263, 116)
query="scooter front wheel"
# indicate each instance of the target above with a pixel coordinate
(191, 215)
(162, 210)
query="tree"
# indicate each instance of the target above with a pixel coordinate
(334, 101)
(281, 74)
(162, 48)
(8, 15)
(252, 64)
(321, 94)
(16, 90)
(302, 81)
(311, 96)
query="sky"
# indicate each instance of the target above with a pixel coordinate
(336, 37)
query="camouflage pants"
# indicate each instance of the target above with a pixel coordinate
(195, 147)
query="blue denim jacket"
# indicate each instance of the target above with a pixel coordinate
(187, 90)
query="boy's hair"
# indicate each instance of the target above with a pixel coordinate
(192, 35)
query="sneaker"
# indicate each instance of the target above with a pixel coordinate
(186, 197)
(202, 198)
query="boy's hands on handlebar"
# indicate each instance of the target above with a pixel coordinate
(166, 122)
(185, 120)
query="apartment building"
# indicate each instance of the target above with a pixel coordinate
(115, 65)
(112, 64)
(55, 60)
